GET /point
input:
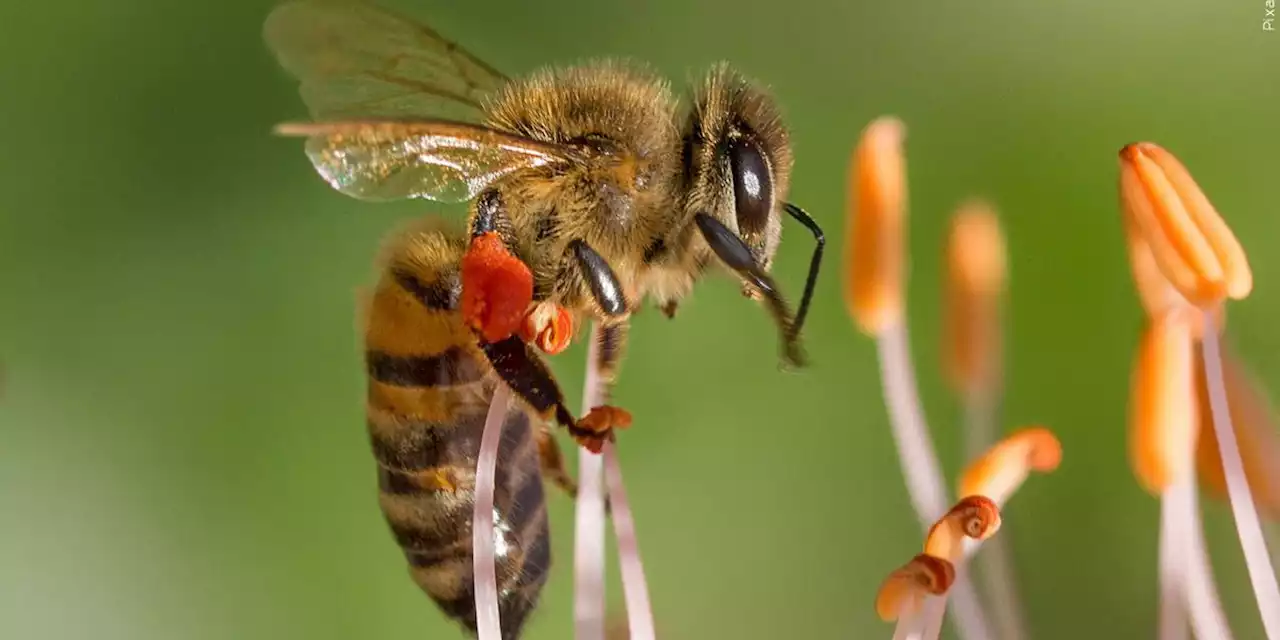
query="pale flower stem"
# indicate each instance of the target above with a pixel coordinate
(1258, 561)
(589, 548)
(979, 421)
(1172, 563)
(1207, 618)
(966, 609)
(909, 626)
(1271, 533)
(920, 468)
(486, 580)
(635, 589)
(1002, 591)
(997, 563)
(931, 624)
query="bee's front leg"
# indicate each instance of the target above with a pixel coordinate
(530, 379)
(611, 344)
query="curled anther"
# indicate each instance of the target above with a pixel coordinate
(974, 517)
(999, 472)
(903, 592)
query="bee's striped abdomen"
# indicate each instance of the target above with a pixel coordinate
(429, 393)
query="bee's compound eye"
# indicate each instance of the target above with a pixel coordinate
(752, 186)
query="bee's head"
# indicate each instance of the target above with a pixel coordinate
(737, 159)
(737, 170)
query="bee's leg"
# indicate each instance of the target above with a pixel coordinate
(553, 466)
(669, 308)
(609, 297)
(553, 462)
(611, 344)
(497, 287)
(528, 377)
(735, 255)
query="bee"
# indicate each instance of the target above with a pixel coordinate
(589, 190)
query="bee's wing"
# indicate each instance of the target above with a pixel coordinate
(358, 61)
(438, 160)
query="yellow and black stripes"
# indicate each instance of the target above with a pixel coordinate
(450, 368)
(430, 386)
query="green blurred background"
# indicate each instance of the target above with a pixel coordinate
(182, 447)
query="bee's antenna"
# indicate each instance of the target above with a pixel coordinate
(812, 280)
(733, 252)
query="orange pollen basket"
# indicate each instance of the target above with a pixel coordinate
(497, 288)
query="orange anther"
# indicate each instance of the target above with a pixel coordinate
(904, 590)
(1155, 292)
(976, 517)
(1189, 241)
(975, 280)
(875, 246)
(1157, 295)
(1162, 403)
(1257, 434)
(1005, 466)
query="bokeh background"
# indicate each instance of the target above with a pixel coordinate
(182, 447)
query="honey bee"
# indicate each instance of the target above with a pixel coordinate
(589, 191)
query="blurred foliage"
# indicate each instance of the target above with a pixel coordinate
(182, 449)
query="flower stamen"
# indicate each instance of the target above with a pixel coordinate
(915, 594)
(874, 250)
(975, 280)
(1256, 429)
(1189, 241)
(1004, 467)
(1162, 422)
(974, 517)
(875, 256)
(1168, 215)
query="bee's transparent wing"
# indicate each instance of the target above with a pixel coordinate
(358, 61)
(437, 160)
